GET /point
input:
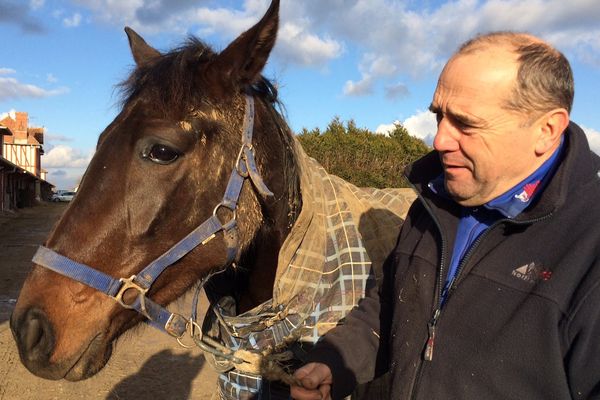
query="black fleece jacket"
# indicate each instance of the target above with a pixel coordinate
(523, 318)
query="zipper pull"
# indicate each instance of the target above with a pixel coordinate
(428, 356)
(431, 326)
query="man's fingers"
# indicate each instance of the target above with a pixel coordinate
(315, 379)
(300, 393)
(312, 375)
(325, 390)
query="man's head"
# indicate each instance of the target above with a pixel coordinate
(502, 103)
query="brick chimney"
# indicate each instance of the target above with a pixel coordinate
(20, 129)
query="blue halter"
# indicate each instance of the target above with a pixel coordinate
(158, 316)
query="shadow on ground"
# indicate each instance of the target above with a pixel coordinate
(165, 375)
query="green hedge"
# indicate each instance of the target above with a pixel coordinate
(365, 158)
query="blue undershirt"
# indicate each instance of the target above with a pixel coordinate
(476, 220)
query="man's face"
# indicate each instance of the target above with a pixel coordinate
(485, 150)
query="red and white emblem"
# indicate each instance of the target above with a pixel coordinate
(528, 191)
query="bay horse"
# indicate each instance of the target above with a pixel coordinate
(197, 173)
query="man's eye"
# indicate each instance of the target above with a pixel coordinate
(161, 154)
(462, 124)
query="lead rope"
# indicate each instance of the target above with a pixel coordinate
(265, 364)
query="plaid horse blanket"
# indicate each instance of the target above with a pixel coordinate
(338, 244)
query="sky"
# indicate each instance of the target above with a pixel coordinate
(373, 61)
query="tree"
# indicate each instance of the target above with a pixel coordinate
(363, 157)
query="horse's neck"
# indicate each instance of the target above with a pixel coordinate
(278, 218)
(262, 266)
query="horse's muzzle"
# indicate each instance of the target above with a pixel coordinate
(35, 340)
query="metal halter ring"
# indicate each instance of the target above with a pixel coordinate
(130, 284)
(190, 329)
(229, 224)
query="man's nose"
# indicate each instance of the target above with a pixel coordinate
(447, 136)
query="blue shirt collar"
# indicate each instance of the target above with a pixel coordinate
(514, 201)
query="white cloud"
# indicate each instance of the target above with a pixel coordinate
(113, 11)
(7, 71)
(361, 88)
(392, 38)
(64, 178)
(36, 4)
(51, 78)
(396, 91)
(72, 21)
(422, 125)
(19, 13)
(65, 165)
(226, 22)
(296, 44)
(397, 41)
(62, 156)
(593, 137)
(11, 113)
(385, 129)
(11, 88)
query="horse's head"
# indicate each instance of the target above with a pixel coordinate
(160, 169)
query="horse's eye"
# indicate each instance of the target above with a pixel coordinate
(161, 154)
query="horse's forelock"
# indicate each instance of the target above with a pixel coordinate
(174, 83)
(170, 81)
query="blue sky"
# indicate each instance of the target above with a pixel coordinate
(374, 61)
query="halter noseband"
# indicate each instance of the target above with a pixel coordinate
(157, 315)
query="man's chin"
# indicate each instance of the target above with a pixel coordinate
(462, 193)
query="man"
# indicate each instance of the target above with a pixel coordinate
(493, 290)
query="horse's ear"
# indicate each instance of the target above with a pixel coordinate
(244, 59)
(142, 51)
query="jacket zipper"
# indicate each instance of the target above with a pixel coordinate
(432, 325)
(442, 299)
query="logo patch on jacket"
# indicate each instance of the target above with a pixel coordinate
(528, 191)
(532, 273)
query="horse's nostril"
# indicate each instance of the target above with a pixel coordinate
(34, 335)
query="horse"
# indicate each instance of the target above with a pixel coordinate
(199, 182)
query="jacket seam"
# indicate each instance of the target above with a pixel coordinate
(571, 316)
(415, 256)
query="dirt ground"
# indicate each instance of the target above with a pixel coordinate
(145, 364)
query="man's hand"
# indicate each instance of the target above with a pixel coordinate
(316, 382)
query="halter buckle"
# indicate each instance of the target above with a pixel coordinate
(240, 161)
(176, 325)
(127, 284)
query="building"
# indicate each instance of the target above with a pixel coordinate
(22, 179)
(24, 146)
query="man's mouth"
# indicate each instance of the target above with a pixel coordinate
(456, 171)
(454, 167)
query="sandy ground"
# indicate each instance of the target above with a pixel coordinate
(146, 364)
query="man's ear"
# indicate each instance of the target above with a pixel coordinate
(550, 126)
